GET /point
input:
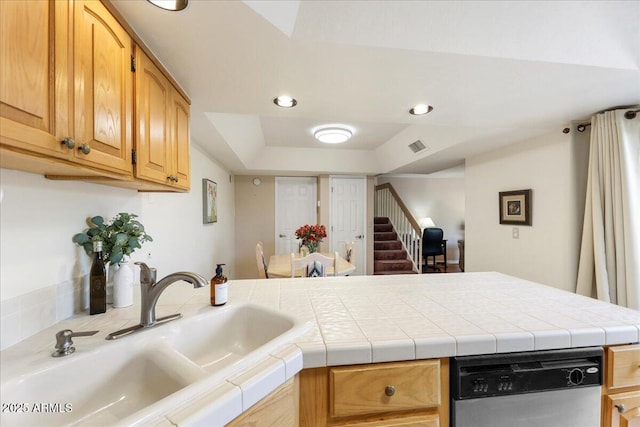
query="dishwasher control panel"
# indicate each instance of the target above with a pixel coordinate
(517, 373)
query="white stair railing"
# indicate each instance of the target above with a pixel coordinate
(389, 204)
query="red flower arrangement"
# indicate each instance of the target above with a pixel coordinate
(311, 235)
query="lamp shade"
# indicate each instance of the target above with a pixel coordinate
(427, 222)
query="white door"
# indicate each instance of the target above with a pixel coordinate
(348, 218)
(296, 205)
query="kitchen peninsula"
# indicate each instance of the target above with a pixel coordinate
(358, 320)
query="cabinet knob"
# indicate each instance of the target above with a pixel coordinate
(85, 149)
(172, 178)
(389, 390)
(68, 142)
(621, 408)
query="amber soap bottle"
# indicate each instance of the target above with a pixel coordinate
(219, 288)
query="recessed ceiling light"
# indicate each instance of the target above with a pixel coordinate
(173, 5)
(332, 134)
(285, 101)
(420, 109)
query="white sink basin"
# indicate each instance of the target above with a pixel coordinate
(217, 341)
(95, 389)
(147, 373)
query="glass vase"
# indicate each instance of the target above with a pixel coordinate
(304, 251)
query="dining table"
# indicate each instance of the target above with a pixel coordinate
(280, 266)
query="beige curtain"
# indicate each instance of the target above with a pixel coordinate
(609, 267)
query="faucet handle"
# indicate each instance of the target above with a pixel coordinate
(64, 344)
(147, 274)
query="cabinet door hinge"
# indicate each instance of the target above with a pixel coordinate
(134, 156)
(133, 63)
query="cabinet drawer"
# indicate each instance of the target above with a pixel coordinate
(419, 421)
(384, 387)
(623, 366)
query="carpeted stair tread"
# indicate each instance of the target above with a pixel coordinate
(392, 265)
(387, 245)
(379, 228)
(385, 235)
(393, 254)
(381, 220)
(390, 272)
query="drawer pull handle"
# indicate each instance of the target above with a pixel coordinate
(389, 390)
(68, 142)
(84, 148)
(621, 408)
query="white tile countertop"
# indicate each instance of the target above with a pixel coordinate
(362, 319)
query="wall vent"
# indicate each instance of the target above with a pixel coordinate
(417, 146)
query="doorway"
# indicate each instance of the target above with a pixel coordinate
(296, 205)
(348, 218)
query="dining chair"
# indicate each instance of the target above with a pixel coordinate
(261, 263)
(314, 264)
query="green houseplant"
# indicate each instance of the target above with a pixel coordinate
(120, 238)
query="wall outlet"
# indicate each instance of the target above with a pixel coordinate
(515, 232)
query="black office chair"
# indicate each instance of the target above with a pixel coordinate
(432, 246)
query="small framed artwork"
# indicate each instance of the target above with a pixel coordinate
(515, 207)
(209, 201)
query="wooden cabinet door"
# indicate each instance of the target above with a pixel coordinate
(103, 88)
(180, 141)
(622, 409)
(35, 95)
(153, 122)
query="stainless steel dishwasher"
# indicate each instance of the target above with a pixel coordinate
(556, 388)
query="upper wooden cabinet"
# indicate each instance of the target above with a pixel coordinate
(162, 134)
(35, 80)
(67, 99)
(103, 98)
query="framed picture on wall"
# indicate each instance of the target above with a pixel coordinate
(209, 201)
(515, 207)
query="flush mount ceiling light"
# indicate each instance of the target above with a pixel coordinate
(421, 109)
(332, 134)
(173, 5)
(285, 101)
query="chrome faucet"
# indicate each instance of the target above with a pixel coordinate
(150, 292)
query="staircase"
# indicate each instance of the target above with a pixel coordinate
(389, 257)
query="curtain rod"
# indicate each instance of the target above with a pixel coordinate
(631, 114)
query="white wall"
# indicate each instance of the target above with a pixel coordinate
(554, 167)
(42, 271)
(442, 198)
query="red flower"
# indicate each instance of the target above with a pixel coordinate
(311, 233)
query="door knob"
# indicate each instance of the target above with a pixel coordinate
(282, 236)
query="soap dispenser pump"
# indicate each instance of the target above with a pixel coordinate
(219, 288)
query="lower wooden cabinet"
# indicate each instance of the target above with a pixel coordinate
(412, 393)
(621, 389)
(280, 408)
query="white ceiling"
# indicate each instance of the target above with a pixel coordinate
(496, 72)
